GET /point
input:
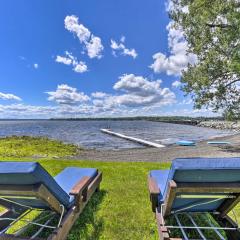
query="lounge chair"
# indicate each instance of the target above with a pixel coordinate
(194, 197)
(27, 187)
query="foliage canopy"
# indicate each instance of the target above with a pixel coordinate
(212, 30)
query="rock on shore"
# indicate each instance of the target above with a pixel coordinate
(221, 125)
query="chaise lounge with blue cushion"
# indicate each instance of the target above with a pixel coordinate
(27, 186)
(193, 189)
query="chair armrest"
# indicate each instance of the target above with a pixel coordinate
(80, 186)
(154, 192)
(152, 186)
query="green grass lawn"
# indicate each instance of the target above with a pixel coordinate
(121, 210)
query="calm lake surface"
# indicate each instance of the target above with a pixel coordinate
(87, 133)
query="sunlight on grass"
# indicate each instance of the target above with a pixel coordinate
(37, 147)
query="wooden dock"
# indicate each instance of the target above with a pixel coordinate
(133, 139)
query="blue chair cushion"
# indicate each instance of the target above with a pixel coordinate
(71, 175)
(197, 170)
(205, 170)
(28, 173)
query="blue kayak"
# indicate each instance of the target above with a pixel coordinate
(185, 143)
(218, 142)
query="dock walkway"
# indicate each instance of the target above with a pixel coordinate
(133, 139)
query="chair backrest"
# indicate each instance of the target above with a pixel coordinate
(204, 184)
(28, 183)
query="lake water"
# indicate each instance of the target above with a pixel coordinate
(87, 133)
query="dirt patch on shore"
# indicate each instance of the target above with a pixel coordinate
(202, 149)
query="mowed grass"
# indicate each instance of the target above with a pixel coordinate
(121, 210)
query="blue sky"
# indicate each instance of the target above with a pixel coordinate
(90, 58)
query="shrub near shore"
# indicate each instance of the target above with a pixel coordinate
(36, 147)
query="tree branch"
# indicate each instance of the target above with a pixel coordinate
(212, 25)
(234, 81)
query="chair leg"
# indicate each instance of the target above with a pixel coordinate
(154, 201)
(67, 223)
(162, 231)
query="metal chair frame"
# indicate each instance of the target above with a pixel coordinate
(230, 192)
(15, 212)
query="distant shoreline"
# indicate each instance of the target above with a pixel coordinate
(153, 118)
(166, 119)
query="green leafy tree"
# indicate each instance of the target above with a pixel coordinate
(212, 30)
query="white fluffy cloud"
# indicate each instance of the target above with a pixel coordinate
(9, 96)
(134, 95)
(84, 110)
(35, 65)
(72, 25)
(26, 109)
(92, 43)
(64, 60)
(139, 91)
(69, 59)
(80, 67)
(121, 48)
(134, 92)
(176, 84)
(30, 111)
(99, 95)
(67, 95)
(94, 47)
(179, 57)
